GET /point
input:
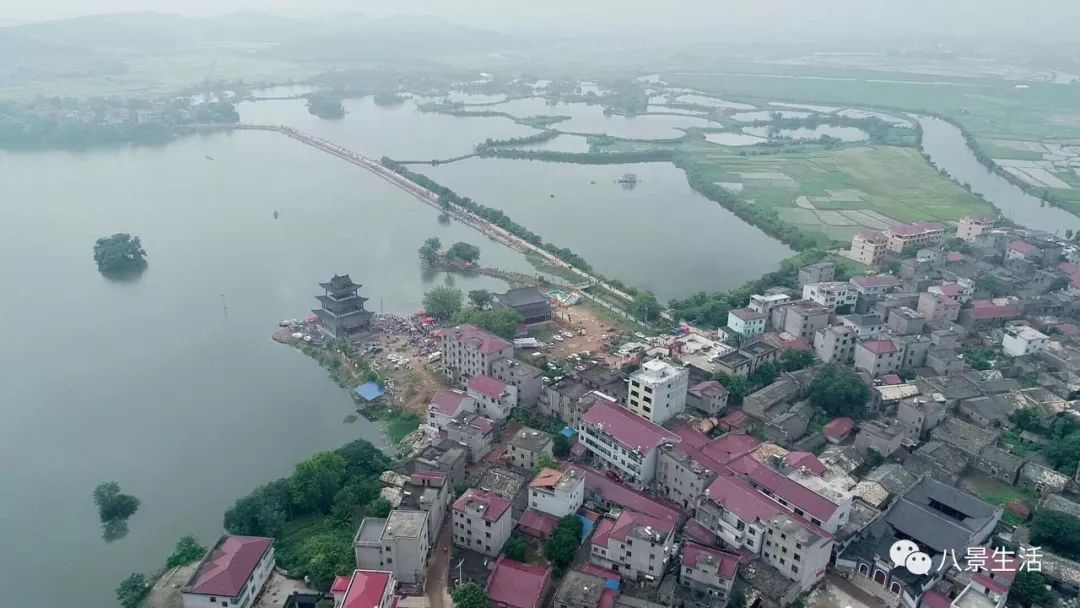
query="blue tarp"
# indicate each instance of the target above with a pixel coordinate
(586, 527)
(612, 583)
(568, 432)
(370, 391)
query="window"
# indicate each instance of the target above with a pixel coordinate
(794, 568)
(389, 560)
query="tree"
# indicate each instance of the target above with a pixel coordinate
(516, 549)
(1025, 418)
(503, 322)
(380, 507)
(429, 251)
(989, 284)
(738, 599)
(119, 254)
(737, 386)
(132, 590)
(480, 298)
(112, 504)
(463, 252)
(188, 549)
(325, 556)
(470, 596)
(1058, 284)
(316, 481)
(545, 462)
(563, 543)
(560, 445)
(325, 105)
(442, 302)
(1029, 589)
(1058, 530)
(794, 360)
(874, 459)
(645, 307)
(262, 512)
(764, 375)
(838, 391)
(1064, 453)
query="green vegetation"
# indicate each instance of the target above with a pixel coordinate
(325, 105)
(443, 302)
(1058, 531)
(1026, 418)
(560, 445)
(188, 549)
(839, 392)
(516, 549)
(388, 98)
(480, 298)
(132, 590)
(1003, 495)
(112, 504)
(313, 512)
(429, 251)
(544, 462)
(541, 264)
(502, 322)
(463, 252)
(119, 254)
(794, 360)
(527, 140)
(564, 542)
(645, 307)
(1029, 589)
(397, 423)
(470, 596)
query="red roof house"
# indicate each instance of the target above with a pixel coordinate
(227, 568)
(805, 460)
(516, 585)
(487, 386)
(725, 564)
(626, 428)
(838, 429)
(494, 506)
(537, 523)
(369, 589)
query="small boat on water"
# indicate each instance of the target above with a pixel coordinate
(208, 157)
(275, 214)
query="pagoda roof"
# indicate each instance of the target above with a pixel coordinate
(329, 302)
(358, 318)
(339, 282)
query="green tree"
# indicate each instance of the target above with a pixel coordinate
(112, 504)
(764, 375)
(563, 543)
(325, 556)
(794, 360)
(262, 512)
(737, 386)
(132, 590)
(380, 507)
(463, 252)
(560, 445)
(470, 596)
(516, 549)
(429, 251)
(991, 285)
(443, 302)
(119, 254)
(480, 298)
(325, 105)
(316, 481)
(1058, 284)
(1058, 530)
(352, 502)
(1025, 418)
(1029, 589)
(645, 307)
(188, 549)
(874, 459)
(738, 599)
(1064, 453)
(503, 322)
(545, 462)
(839, 392)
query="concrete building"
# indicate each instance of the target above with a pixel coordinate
(557, 493)
(444, 407)
(1041, 480)
(904, 321)
(917, 234)
(876, 285)
(475, 433)
(428, 492)
(801, 318)
(580, 590)
(919, 415)
(527, 446)
(233, 572)
(708, 573)
(482, 521)
(494, 398)
(764, 303)
(469, 351)
(564, 400)
(527, 379)
(962, 290)
(937, 308)
(972, 227)
(682, 478)
(1021, 340)
(511, 484)
(657, 391)
(743, 517)
(448, 457)
(835, 344)
(365, 589)
(985, 314)
(869, 248)
(817, 273)
(746, 322)
(884, 438)
(635, 545)
(533, 306)
(709, 396)
(623, 442)
(513, 584)
(831, 295)
(877, 357)
(866, 326)
(398, 543)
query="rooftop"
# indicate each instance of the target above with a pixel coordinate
(405, 524)
(516, 585)
(503, 482)
(370, 530)
(751, 506)
(838, 428)
(228, 566)
(486, 342)
(708, 388)
(631, 431)
(915, 228)
(879, 347)
(939, 516)
(1022, 247)
(531, 440)
(491, 506)
(448, 402)
(793, 492)
(634, 525)
(746, 315)
(487, 386)
(523, 296)
(562, 480)
(805, 460)
(881, 280)
(366, 589)
(658, 369)
(580, 589)
(538, 522)
(697, 556)
(618, 494)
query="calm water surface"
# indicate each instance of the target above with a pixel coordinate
(152, 383)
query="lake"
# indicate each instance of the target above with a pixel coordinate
(947, 148)
(661, 235)
(153, 383)
(585, 118)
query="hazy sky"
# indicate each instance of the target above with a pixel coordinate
(1032, 19)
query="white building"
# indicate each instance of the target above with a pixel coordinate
(971, 227)
(624, 443)
(767, 302)
(746, 322)
(658, 390)
(469, 351)
(831, 294)
(636, 545)
(232, 573)
(482, 522)
(558, 493)
(494, 398)
(444, 407)
(398, 543)
(1020, 340)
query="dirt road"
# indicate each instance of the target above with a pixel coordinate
(437, 586)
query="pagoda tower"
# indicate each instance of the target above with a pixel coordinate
(342, 313)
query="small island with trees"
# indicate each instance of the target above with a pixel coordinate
(114, 509)
(119, 255)
(325, 106)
